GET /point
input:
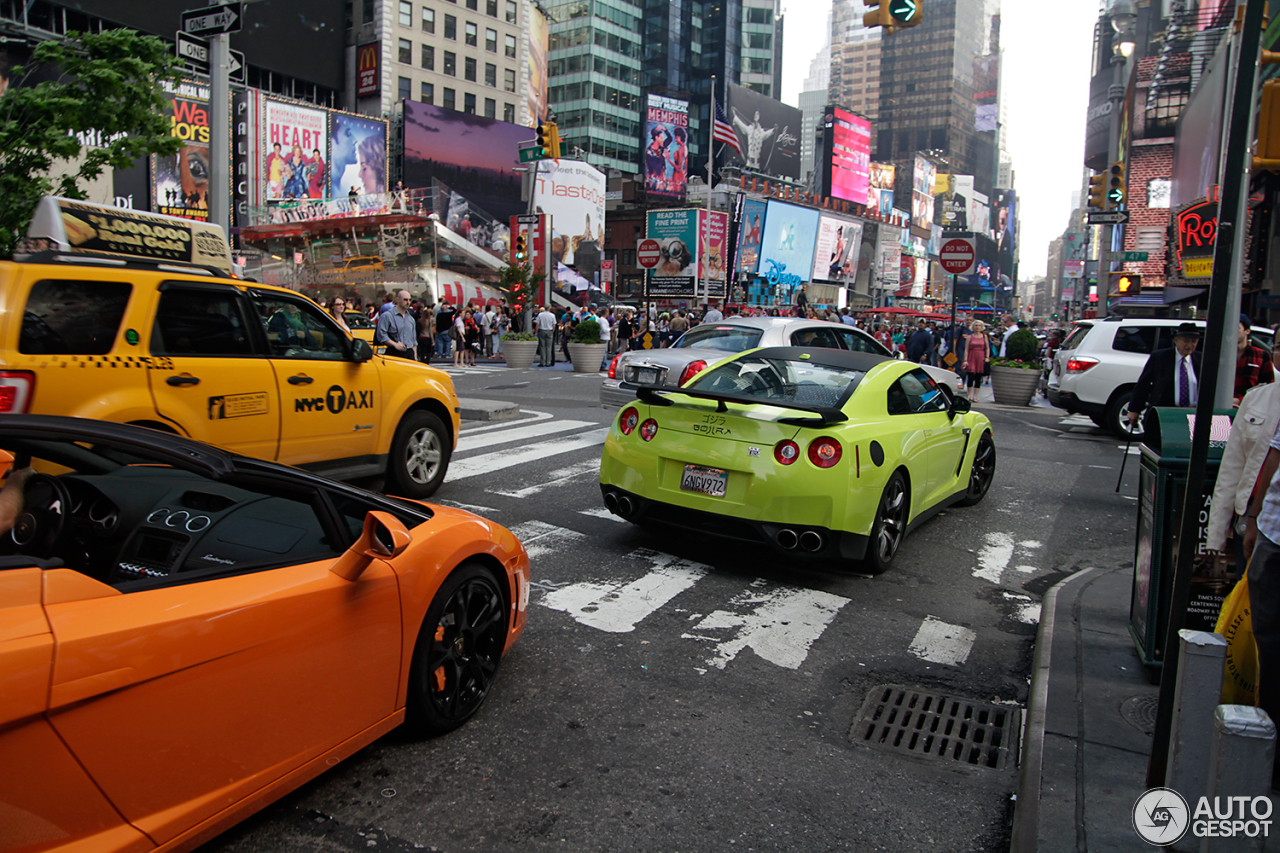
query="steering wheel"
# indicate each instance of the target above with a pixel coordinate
(46, 508)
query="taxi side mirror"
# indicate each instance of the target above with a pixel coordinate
(384, 536)
(360, 350)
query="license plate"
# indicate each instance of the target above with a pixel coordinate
(646, 376)
(704, 481)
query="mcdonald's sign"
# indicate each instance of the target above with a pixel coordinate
(368, 74)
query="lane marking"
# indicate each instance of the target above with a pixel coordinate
(488, 463)
(617, 607)
(555, 478)
(940, 642)
(994, 557)
(519, 433)
(1028, 609)
(541, 539)
(478, 510)
(521, 421)
(781, 628)
(601, 512)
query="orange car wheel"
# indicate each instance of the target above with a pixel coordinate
(458, 651)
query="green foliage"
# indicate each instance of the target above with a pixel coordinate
(1023, 346)
(521, 284)
(110, 88)
(520, 336)
(588, 332)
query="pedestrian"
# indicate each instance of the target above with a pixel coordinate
(974, 365)
(458, 337)
(397, 330)
(471, 335)
(713, 314)
(426, 332)
(1170, 376)
(338, 311)
(679, 324)
(494, 341)
(486, 331)
(1010, 326)
(444, 329)
(1253, 364)
(919, 344)
(504, 323)
(546, 325)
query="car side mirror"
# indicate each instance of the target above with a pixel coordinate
(360, 350)
(899, 355)
(384, 536)
(960, 406)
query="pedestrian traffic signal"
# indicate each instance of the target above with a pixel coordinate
(1126, 284)
(1098, 191)
(1115, 184)
(522, 248)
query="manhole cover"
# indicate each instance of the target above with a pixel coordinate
(1140, 712)
(939, 727)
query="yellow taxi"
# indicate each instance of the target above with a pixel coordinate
(119, 315)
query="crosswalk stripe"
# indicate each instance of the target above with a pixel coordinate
(487, 463)
(555, 478)
(518, 433)
(616, 607)
(941, 642)
(781, 628)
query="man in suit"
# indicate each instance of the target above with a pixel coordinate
(1171, 376)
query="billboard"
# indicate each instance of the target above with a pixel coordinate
(180, 184)
(786, 251)
(951, 201)
(357, 145)
(536, 66)
(677, 233)
(846, 172)
(836, 253)
(713, 228)
(768, 133)
(572, 192)
(666, 152)
(1004, 230)
(295, 140)
(922, 180)
(474, 156)
(368, 70)
(880, 188)
(750, 234)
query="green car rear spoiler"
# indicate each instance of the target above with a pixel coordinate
(656, 395)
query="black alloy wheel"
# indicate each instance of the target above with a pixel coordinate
(890, 525)
(982, 471)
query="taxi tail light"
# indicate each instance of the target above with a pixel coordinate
(1080, 365)
(628, 420)
(692, 370)
(786, 451)
(16, 390)
(825, 451)
(613, 366)
(649, 429)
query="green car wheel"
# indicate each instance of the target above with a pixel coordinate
(890, 524)
(982, 472)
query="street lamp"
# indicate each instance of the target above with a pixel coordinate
(1123, 15)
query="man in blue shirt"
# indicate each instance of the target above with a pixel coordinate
(397, 329)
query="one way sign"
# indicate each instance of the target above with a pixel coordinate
(213, 20)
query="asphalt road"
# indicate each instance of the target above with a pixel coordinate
(674, 694)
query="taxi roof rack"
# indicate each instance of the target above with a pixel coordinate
(53, 256)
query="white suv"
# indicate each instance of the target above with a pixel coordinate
(1100, 361)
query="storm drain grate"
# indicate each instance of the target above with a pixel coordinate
(943, 728)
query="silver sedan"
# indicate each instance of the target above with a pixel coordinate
(706, 344)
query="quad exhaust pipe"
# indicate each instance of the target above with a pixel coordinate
(626, 507)
(611, 502)
(787, 539)
(811, 540)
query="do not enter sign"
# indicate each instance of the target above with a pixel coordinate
(957, 255)
(648, 253)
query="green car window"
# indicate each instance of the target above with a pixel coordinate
(780, 380)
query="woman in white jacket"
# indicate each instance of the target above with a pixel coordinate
(1251, 431)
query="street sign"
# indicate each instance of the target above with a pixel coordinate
(1132, 257)
(194, 53)
(648, 253)
(213, 20)
(529, 155)
(957, 255)
(1108, 217)
(606, 271)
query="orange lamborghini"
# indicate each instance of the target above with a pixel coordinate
(187, 634)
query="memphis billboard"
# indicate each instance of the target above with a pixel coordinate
(666, 151)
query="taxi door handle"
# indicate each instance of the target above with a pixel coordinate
(300, 379)
(184, 379)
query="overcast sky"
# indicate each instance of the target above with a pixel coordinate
(1046, 91)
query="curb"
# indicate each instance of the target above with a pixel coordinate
(471, 409)
(1026, 813)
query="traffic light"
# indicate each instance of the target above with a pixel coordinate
(522, 248)
(1115, 184)
(544, 139)
(555, 140)
(877, 17)
(1098, 191)
(1126, 284)
(894, 14)
(1268, 156)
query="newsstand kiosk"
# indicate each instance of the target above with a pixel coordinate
(1162, 484)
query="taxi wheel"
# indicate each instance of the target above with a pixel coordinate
(890, 525)
(981, 472)
(419, 456)
(458, 651)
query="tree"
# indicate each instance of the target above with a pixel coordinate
(108, 87)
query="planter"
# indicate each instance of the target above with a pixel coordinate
(1014, 386)
(520, 353)
(586, 357)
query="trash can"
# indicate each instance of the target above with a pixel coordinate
(1162, 483)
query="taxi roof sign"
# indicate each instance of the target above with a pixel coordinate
(68, 226)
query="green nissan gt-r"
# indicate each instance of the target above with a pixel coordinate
(819, 453)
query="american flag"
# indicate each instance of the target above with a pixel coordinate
(723, 132)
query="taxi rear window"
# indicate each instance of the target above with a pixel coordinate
(73, 317)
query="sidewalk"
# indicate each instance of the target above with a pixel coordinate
(1089, 714)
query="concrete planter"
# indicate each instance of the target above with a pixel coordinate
(1014, 386)
(520, 353)
(586, 357)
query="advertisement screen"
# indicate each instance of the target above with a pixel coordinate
(749, 236)
(295, 142)
(572, 192)
(358, 155)
(666, 152)
(768, 133)
(880, 188)
(850, 156)
(1004, 230)
(180, 184)
(789, 236)
(835, 257)
(923, 178)
(677, 233)
(536, 68)
(951, 201)
(474, 156)
(714, 228)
